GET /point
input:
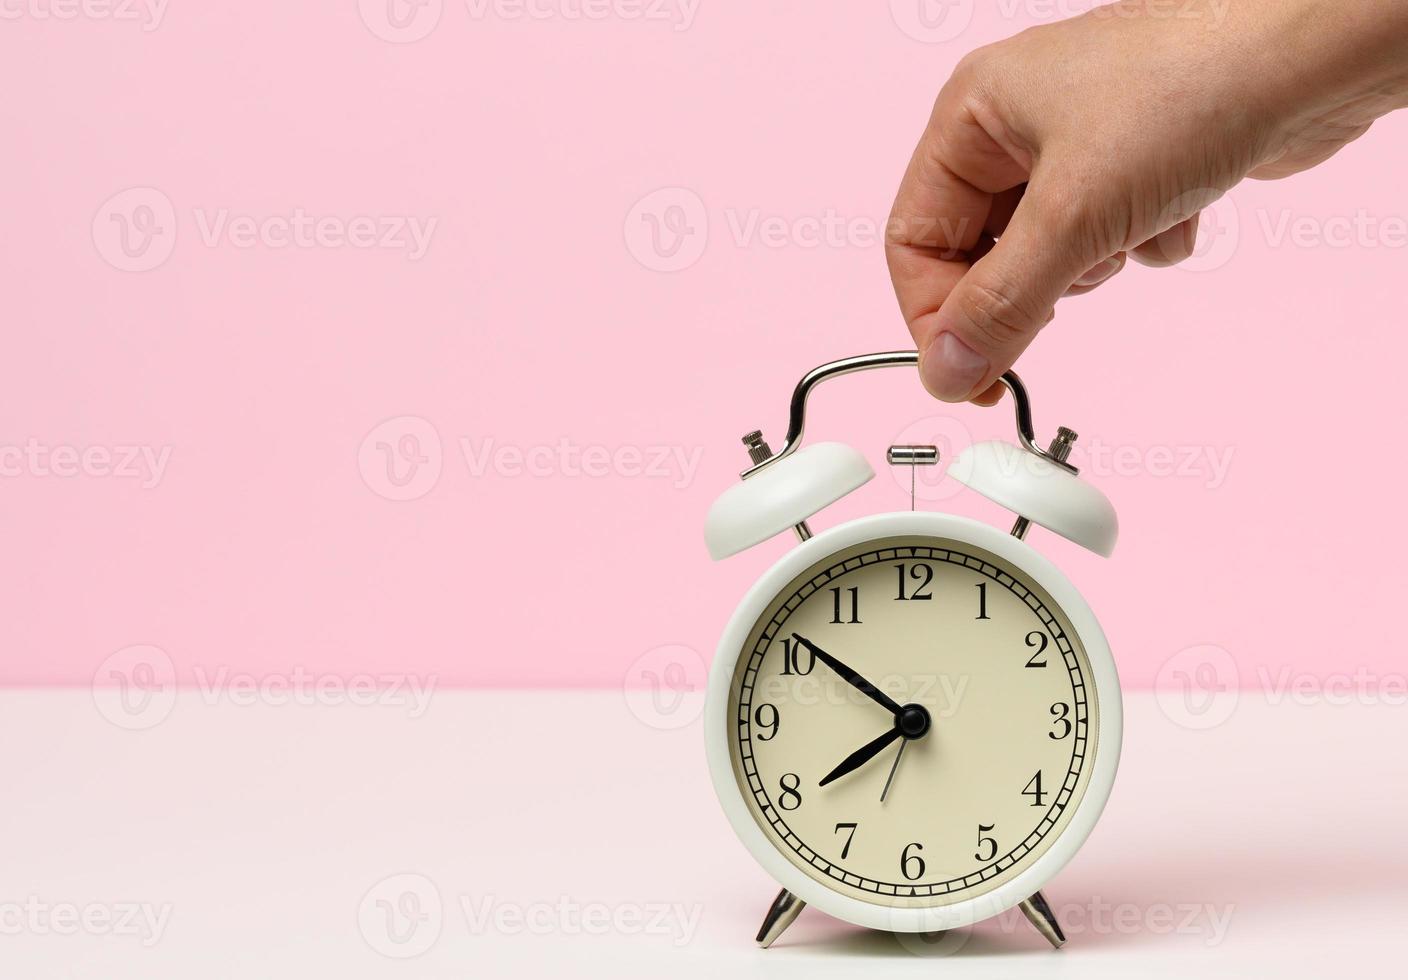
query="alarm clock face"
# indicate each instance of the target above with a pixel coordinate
(913, 720)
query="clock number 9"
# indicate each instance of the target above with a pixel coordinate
(792, 659)
(770, 723)
(912, 863)
(790, 798)
(1059, 711)
(986, 842)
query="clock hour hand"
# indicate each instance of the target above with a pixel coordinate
(861, 756)
(851, 677)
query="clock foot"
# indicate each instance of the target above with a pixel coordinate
(1039, 913)
(785, 909)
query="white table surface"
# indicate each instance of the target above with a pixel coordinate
(544, 833)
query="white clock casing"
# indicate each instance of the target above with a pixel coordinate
(1105, 680)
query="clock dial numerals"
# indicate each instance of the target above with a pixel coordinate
(911, 863)
(914, 582)
(791, 797)
(1038, 640)
(797, 659)
(849, 607)
(1034, 790)
(967, 704)
(987, 846)
(766, 720)
(850, 830)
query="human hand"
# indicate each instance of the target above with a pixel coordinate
(1051, 156)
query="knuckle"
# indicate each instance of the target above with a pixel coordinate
(1085, 226)
(1069, 217)
(972, 65)
(972, 80)
(998, 313)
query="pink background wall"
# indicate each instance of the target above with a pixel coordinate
(1242, 414)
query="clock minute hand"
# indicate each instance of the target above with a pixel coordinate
(851, 677)
(861, 756)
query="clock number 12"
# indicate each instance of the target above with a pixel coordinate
(919, 573)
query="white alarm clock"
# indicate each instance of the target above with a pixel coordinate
(913, 719)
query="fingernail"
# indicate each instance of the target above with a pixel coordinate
(1100, 273)
(952, 369)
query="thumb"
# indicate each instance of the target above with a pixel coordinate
(997, 307)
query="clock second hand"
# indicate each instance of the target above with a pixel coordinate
(893, 769)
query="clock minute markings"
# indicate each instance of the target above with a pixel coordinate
(912, 859)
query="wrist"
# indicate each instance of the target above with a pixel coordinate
(1327, 61)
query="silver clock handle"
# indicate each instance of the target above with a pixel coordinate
(850, 365)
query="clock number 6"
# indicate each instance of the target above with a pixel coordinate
(912, 863)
